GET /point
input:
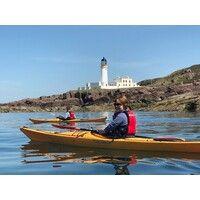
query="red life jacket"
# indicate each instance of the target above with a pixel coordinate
(132, 123)
(72, 115)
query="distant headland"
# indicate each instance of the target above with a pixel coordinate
(179, 91)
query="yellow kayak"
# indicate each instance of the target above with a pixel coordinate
(88, 139)
(56, 120)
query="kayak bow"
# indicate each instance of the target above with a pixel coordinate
(88, 139)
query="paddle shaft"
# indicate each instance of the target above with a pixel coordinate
(85, 129)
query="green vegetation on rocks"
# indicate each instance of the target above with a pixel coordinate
(183, 76)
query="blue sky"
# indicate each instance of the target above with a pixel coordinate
(45, 60)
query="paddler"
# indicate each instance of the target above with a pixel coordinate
(69, 115)
(123, 123)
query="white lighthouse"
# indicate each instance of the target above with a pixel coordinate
(117, 83)
(104, 72)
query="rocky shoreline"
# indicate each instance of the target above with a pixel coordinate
(179, 91)
(184, 97)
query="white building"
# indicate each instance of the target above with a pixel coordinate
(117, 83)
(125, 82)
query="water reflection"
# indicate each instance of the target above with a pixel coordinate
(35, 152)
(59, 155)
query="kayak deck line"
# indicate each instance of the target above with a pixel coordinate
(88, 139)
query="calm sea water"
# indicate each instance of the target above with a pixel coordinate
(20, 156)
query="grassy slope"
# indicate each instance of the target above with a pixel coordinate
(183, 76)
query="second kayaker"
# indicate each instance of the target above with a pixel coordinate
(69, 115)
(123, 123)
